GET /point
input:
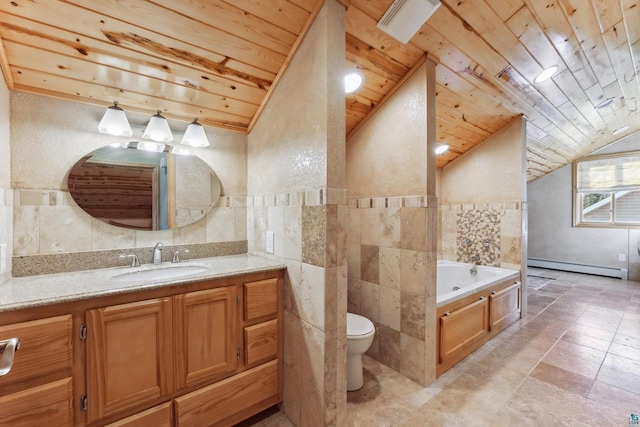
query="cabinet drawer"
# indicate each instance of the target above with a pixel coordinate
(42, 406)
(45, 347)
(230, 400)
(158, 416)
(261, 342)
(260, 299)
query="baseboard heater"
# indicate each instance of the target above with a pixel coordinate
(620, 273)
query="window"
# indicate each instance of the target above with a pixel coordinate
(607, 190)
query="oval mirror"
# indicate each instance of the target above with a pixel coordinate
(144, 185)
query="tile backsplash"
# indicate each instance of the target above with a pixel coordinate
(52, 234)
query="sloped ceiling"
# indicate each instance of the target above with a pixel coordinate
(219, 59)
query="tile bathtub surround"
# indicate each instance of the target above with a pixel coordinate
(490, 231)
(387, 253)
(31, 265)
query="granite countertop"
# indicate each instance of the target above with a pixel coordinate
(34, 291)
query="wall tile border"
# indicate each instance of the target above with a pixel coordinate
(316, 197)
(417, 201)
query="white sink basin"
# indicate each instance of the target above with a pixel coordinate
(160, 273)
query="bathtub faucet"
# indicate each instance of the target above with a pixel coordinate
(475, 260)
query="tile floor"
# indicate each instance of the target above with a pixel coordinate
(573, 361)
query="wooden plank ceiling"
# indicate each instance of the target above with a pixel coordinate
(219, 59)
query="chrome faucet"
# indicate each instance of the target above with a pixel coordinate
(176, 254)
(475, 260)
(134, 259)
(474, 269)
(157, 254)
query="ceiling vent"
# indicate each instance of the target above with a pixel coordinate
(405, 17)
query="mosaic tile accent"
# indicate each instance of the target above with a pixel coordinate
(313, 235)
(30, 265)
(478, 237)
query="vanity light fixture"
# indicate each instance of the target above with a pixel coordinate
(620, 130)
(195, 135)
(158, 129)
(441, 149)
(352, 81)
(546, 74)
(114, 122)
(151, 146)
(180, 151)
(605, 103)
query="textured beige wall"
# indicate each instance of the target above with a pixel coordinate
(289, 145)
(387, 156)
(491, 172)
(296, 189)
(6, 195)
(48, 136)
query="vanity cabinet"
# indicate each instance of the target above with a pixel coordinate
(202, 353)
(205, 335)
(38, 390)
(464, 325)
(129, 356)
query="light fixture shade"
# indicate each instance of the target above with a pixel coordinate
(352, 81)
(114, 122)
(151, 146)
(441, 149)
(546, 74)
(158, 129)
(195, 135)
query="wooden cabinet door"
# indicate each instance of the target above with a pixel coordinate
(504, 307)
(205, 334)
(463, 329)
(48, 405)
(129, 356)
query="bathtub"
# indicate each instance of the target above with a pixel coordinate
(455, 281)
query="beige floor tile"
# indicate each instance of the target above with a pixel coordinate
(620, 379)
(615, 397)
(586, 340)
(598, 415)
(567, 348)
(565, 379)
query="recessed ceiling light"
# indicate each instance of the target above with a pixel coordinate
(441, 148)
(605, 103)
(620, 130)
(546, 74)
(352, 81)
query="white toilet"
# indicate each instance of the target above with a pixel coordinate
(360, 332)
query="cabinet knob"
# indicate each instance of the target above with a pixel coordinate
(494, 293)
(7, 351)
(482, 298)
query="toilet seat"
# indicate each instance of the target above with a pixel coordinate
(359, 326)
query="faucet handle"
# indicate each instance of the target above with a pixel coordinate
(176, 254)
(134, 259)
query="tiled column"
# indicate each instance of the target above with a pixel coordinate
(296, 169)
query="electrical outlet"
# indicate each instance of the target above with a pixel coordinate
(622, 257)
(3, 258)
(270, 238)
